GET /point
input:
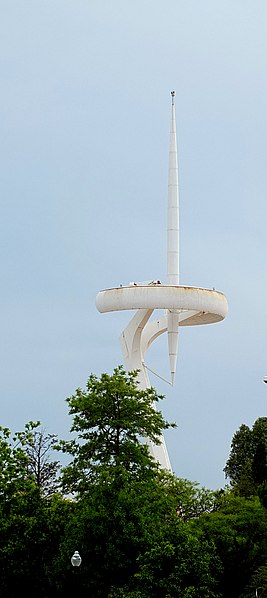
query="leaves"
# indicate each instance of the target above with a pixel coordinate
(246, 467)
(111, 416)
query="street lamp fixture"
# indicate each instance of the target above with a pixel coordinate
(76, 559)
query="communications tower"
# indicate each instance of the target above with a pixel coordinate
(180, 305)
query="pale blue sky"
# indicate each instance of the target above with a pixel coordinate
(85, 112)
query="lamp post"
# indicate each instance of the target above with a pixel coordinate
(76, 559)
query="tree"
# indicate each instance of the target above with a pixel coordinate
(238, 532)
(110, 418)
(246, 467)
(131, 520)
(127, 509)
(31, 525)
(183, 566)
(133, 542)
(38, 447)
(189, 499)
(13, 465)
(258, 583)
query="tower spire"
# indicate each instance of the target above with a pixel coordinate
(173, 240)
(173, 204)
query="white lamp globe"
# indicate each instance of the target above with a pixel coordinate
(76, 559)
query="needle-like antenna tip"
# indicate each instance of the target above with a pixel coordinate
(173, 96)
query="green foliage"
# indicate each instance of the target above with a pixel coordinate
(258, 584)
(141, 532)
(30, 525)
(30, 536)
(13, 464)
(246, 467)
(239, 533)
(182, 566)
(110, 418)
(190, 500)
(121, 529)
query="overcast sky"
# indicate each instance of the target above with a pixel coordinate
(85, 115)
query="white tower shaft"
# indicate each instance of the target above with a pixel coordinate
(173, 205)
(173, 240)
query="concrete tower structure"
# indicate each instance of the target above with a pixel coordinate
(181, 305)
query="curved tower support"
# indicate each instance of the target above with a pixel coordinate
(131, 344)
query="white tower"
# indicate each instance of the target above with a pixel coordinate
(181, 305)
(173, 241)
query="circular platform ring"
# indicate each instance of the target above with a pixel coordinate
(210, 304)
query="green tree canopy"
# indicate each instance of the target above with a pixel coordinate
(14, 476)
(110, 417)
(31, 525)
(133, 542)
(246, 467)
(238, 530)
